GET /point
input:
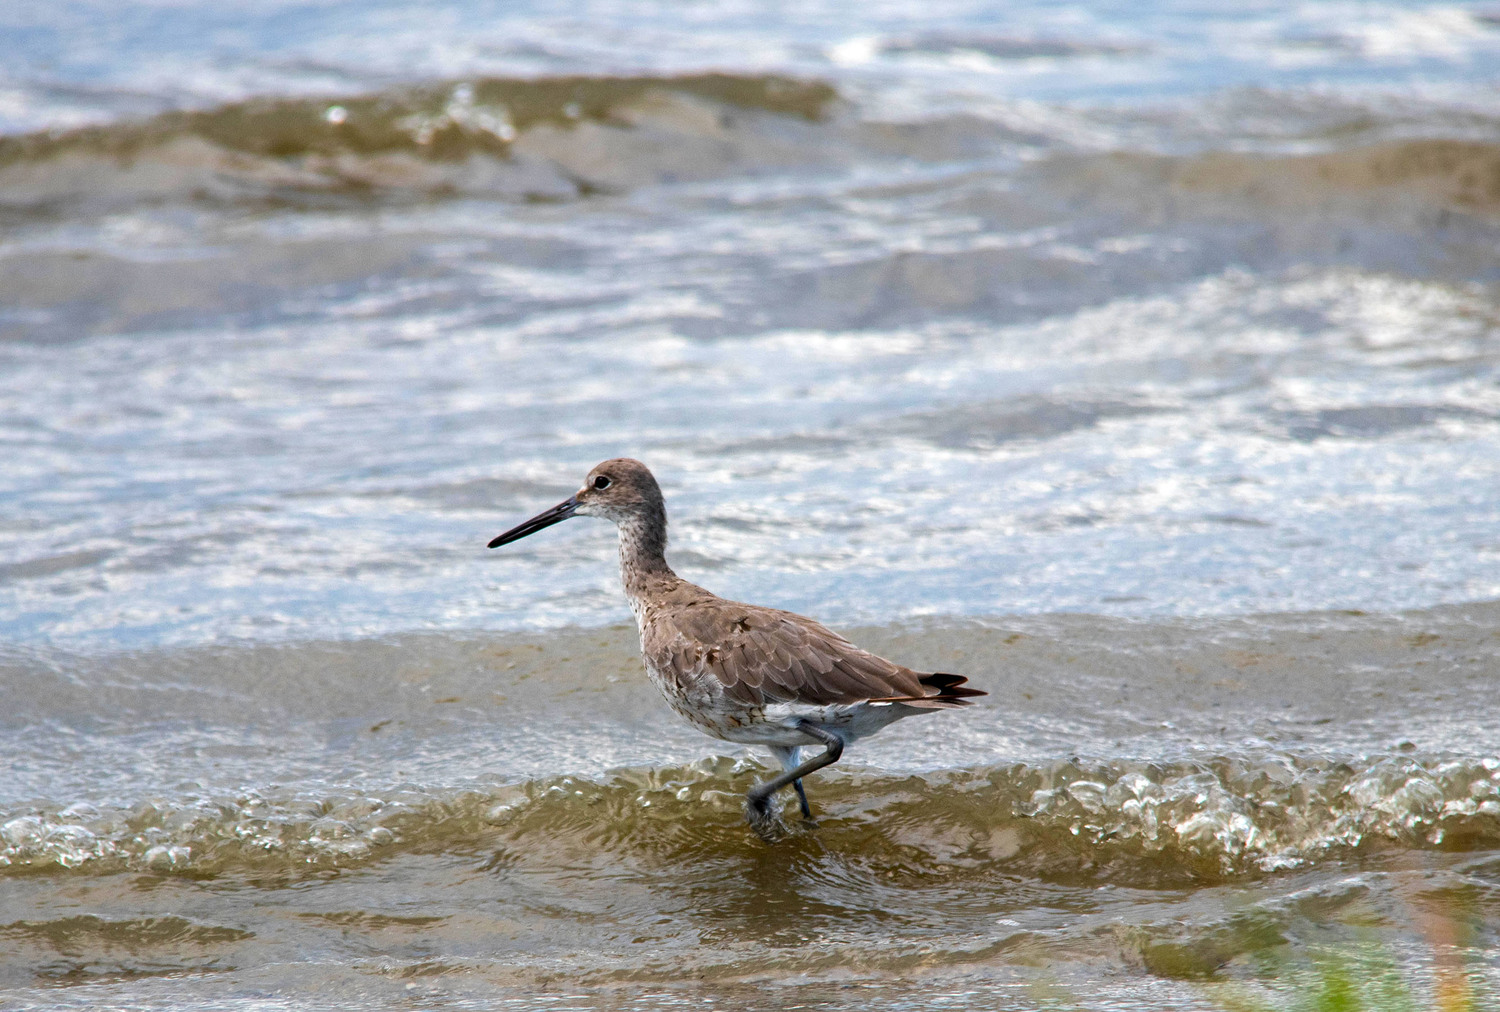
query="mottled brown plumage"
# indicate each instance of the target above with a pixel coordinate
(764, 655)
(737, 671)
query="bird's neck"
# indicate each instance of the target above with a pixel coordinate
(643, 547)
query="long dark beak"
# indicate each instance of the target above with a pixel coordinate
(547, 518)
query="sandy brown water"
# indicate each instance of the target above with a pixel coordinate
(1139, 807)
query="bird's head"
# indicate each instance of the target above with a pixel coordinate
(621, 490)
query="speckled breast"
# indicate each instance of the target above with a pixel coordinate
(702, 707)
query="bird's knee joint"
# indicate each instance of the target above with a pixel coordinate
(833, 742)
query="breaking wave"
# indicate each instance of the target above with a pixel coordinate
(542, 138)
(1135, 823)
(567, 137)
(1414, 182)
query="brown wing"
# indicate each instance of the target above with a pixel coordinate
(762, 655)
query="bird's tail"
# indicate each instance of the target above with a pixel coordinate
(945, 692)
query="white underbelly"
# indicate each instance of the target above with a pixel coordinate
(775, 723)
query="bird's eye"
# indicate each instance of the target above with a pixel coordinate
(601, 483)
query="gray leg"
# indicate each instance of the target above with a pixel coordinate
(788, 756)
(757, 802)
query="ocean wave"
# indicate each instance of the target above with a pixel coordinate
(1414, 181)
(562, 138)
(1135, 823)
(541, 138)
(1459, 174)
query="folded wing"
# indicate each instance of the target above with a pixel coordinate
(762, 655)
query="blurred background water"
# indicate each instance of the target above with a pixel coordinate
(1139, 362)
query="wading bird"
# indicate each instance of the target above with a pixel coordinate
(742, 673)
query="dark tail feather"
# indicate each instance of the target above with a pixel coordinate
(951, 692)
(950, 685)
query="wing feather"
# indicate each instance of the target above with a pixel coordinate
(762, 655)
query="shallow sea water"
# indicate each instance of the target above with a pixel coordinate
(1139, 364)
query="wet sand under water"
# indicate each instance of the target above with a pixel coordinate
(1140, 812)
